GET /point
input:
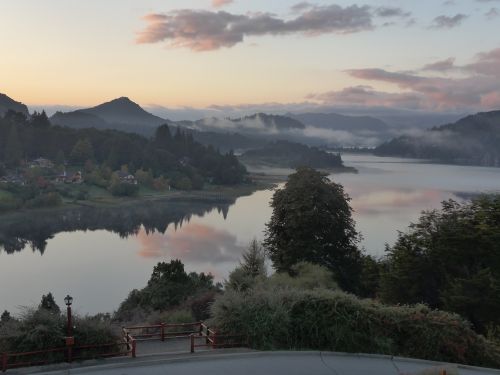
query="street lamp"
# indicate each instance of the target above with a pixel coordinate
(69, 300)
(70, 340)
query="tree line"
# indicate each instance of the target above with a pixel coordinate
(169, 153)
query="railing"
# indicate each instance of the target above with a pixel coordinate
(219, 341)
(162, 331)
(66, 354)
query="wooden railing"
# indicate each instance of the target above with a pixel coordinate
(199, 333)
(65, 354)
(162, 331)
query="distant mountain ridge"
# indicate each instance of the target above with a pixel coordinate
(7, 104)
(473, 140)
(336, 121)
(120, 114)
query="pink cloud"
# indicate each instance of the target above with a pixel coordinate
(478, 87)
(221, 3)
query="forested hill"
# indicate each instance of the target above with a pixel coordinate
(291, 155)
(120, 114)
(473, 140)
(8, 104)
(170, 154)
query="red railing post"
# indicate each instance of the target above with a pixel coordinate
(201, 329)
(70, 354)
(162, 328)
(208, 336)
(192, 342)
(5, 358)
(134, 346)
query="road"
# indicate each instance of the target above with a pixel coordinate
(270, 363)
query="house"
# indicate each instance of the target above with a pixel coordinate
(41, 163)
(126, 178)
(13, 179)
(75, 178)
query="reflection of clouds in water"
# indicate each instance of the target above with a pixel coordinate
(192, 243)
(368, 201)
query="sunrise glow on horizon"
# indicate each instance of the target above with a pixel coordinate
(432, 56)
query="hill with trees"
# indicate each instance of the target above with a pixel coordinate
(36, 157)
(118, 114)
(292, 155)
(8, 104)
(473, 140)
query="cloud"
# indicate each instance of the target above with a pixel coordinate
(221, 3)
(441, 66)
(202, 30)
(492, 13)
(446, 22)
(478, 87)
(488, 1)
(391, 12)
(449, 3)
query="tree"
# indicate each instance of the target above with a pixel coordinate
(48, 303)
(450, 259)
(13, 148)
(82, 151)
(5, 317)
(312, 222)
(251, 268)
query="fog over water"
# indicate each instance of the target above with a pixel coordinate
(99, 267)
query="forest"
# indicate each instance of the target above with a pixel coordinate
(35, 156)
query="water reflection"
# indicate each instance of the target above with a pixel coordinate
(33, 230)
(193, 243)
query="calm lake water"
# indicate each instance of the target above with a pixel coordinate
(99, 263)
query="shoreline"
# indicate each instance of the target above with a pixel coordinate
(214, 194)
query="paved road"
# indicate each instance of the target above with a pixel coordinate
(270, 363)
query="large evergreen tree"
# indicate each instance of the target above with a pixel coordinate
(312, 222)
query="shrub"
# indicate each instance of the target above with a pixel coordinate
(320, 319)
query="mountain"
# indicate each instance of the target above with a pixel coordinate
(124, 111)
(119, 114)
(472, 140)
(335, 121)
(7, 104)
(253, 124)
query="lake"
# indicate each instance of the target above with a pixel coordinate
(98, 256)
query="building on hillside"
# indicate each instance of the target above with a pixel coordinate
(126, 178)
(41, 163)
(13, 179)
(65, 178)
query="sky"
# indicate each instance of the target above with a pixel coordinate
(426, 55)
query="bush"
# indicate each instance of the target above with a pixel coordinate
(45, 200)
(121, 189)
(320, 319)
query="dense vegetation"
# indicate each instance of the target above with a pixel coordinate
(294, 318)
(472, 140)
(292, 155)
(450, 259)
(166, 160)
(169, 288)
(45, 327)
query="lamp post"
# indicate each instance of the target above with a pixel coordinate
(70, 340)
(69, 300)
